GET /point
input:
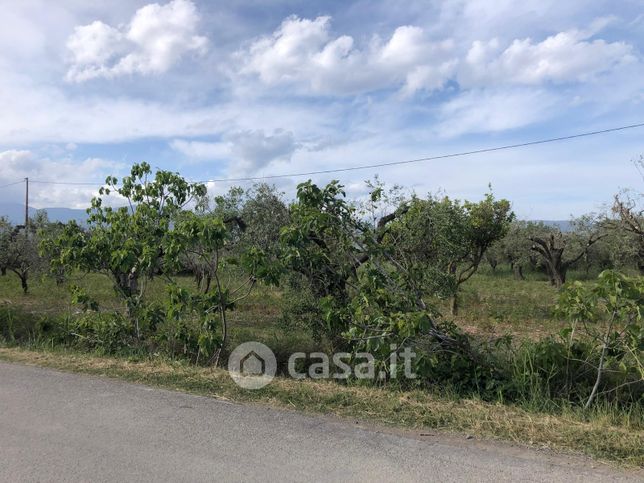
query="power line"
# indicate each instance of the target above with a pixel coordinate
(430, 158)
(68, 183)
(391, 163)
(11, 184)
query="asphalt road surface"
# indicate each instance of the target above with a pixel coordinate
(60, 427)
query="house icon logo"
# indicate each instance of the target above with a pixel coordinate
(252, 365)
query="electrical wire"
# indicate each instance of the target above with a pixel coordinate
(11, 184)
(390, 163)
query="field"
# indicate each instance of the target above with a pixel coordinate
(493, 305)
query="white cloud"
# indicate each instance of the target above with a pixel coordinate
(255, 149)
(246, 151)
(494, 110)
(565, 57)
(303, 52)
(200, 150)
(18, 164)
(155, 39)
(284, 55)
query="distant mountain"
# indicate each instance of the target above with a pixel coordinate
(16, 213)
(563, 225)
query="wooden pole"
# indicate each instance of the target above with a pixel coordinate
(26, 204)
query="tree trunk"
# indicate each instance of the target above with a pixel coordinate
(454, 305)
(23, 282)
(518, 271)
(559, 279)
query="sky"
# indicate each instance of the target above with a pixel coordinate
(218, 90)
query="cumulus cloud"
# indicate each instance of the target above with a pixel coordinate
(565, 57)
(154, 40)
(304, 52)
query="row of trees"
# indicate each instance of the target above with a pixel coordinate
(595, 243)
(255, 217)
(361, 276)
(389, 251)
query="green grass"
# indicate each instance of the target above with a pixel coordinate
(496, 303)
(492, 304)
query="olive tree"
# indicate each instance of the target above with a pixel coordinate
(19, 248)
(629, 219)
(264, 213)
(5, 235)
(253, 218)
(448, 239)
(560, 251)
(515, 247)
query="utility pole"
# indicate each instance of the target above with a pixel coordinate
(26, 204)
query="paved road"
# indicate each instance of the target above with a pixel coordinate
(59, 427)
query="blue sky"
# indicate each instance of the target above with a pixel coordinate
(235, 89)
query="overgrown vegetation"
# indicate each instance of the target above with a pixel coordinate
(177, 275)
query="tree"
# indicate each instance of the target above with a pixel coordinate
(127, 243)
(449, 238)
(264, 213)
(204, 238)
(629, 218)
(150, 237)
(362, 294)
(253, 218)
(5, 235)
(555, 250)
(515, 247)
(20, 249)
(494, 256)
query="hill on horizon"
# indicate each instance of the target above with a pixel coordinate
(15, 212)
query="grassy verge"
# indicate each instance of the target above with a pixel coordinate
(600, 434)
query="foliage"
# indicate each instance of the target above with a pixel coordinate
(363, 277)
(560, 251)
(19, 249)
(204, 238)
(5, 237)
(610, 313)
(362, 295)
(127, 243)
(150, 237)
(444, 240)
(629, 220)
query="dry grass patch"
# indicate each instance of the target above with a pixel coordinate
(617, 440)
